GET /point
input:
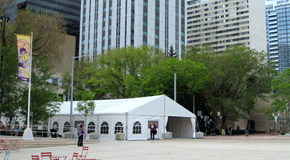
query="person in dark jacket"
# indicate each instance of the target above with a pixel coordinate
(238, 130)
(247, 129)
(152, 130)
(81, 134)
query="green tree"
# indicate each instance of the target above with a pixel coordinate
(86, 106)
(121, 68)
(172, 53)
(237, 77)
(159, 79)
(86, 78)
(46, 48)
(281, 96)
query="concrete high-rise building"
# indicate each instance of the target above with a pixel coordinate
(108, 24)
(278, 33)
(68, 9)
(221, 23)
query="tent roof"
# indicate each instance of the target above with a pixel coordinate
(153, 105)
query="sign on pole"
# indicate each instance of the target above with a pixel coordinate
(24, 57)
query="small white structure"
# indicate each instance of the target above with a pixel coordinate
(132, 117)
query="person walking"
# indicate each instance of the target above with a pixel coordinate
(238, 130)
(152, 131)
(230, 129)
(247, 129)
(81, 134)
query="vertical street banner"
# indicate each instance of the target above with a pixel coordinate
(24, 59)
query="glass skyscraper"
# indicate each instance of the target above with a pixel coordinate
(107, 24)
(278, 33)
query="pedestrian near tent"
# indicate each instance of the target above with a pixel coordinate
(152, 131)
(78, 126)
(230, 129)
(238, 130)
(81, 134)
(247, 129)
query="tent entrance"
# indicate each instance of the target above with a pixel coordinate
(180, 127)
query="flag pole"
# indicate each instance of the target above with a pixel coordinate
(28, 135)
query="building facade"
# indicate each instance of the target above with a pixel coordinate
(68, 9)
(108, 24)
(272, 35)
(222, 23)
(278, 33)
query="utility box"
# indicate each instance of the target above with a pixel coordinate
(199, 135)
(119, 136)
(94, 136)
(167, 135)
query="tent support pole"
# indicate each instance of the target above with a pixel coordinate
(98, 125)
(164, 117)
(126, 126)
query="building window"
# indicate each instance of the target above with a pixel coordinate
(55, 126)
(156, 36)
(66, 127)
(91, 127)
(137, 128)
(156, 46)
(156, 17)
(144, 33)
(104, 128)
(145, 13)
(156, 26)
(118, 127)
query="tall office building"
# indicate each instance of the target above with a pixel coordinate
(68, 9)
(221, 23)
(108, 24)
(278, 33)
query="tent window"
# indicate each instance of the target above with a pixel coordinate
(137, 128)
(55, 126)
(66, 127)
(118, 127)
(104, 128)
(91, 127)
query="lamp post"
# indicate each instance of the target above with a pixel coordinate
(71, 93)
(3, 20)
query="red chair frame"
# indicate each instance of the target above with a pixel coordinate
(3, 145)
(83, 156)
(75, 156)
(46, 154)
(35, 157)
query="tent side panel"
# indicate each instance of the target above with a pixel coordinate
(140, 133)
(111, 120)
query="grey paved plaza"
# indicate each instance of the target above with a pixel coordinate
(219, 147)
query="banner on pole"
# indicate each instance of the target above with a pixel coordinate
(24, 57)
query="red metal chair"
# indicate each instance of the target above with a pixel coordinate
(35, 157)
(75, 156)
(84, 153)
(3, 145)
(46, 154)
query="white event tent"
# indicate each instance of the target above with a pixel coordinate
(131, 116)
